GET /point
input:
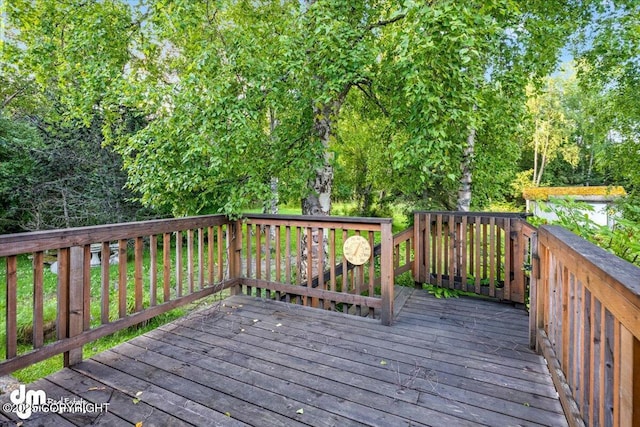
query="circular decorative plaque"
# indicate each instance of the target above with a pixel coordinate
(356, 250)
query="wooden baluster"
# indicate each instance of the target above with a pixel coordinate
(333, 259)
(345, 266)
(38, 299)
(201, 266)
(76, 297)
(463, 249)
(492, 256)
(428, 249)
(320, 269)
(137, 275)
(478, 254)
(179, 272)
(439, 249)
(249, 252)
(498, 256)
(451, 235)
(153, 270)
(86, 285)
(267, 252)
(278, 255)
(258, 252)
(105, 264)
(472, 245)
(418, 265)
(190, 262)
(372, 267)
(166, 267)
(122, 278)
(12, 307)
(234, 243)
(386, 274)
(485, 250)
(210, 251)
(287, 249)
(220, 262)
(507, 259)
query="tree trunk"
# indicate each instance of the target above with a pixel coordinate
(543, 161)
(464, 191)
(271, 206)
(535, 159)
(318, 201)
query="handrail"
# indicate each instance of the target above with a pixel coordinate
(521, 215)
(18, 243)
(586, 307)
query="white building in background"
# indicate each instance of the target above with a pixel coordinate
(599, 198)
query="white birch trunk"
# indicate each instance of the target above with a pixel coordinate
(464, 190)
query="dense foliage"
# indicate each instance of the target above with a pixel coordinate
(621, 239)
(203, 106)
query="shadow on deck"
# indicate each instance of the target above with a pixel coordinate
(250, 361)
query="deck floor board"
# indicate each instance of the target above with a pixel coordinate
(249, 361)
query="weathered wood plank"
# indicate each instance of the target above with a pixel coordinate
(132, 409)
(324, 408)
(52, 391)
(183, 407)
(286, 341)
(259, 395)
(413, 347)
(261, 361)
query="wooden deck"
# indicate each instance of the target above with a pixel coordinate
(248, 361)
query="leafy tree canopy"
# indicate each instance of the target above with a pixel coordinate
(233, 94)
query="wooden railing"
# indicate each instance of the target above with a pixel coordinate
(485, 253)
(585, 302)
(280, 255)
(585, 312)
(145, 269)
(173, 262)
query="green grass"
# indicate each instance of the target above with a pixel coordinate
(51, 365)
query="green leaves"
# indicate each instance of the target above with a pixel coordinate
(231, 94)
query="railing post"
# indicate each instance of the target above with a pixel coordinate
(517, 266)
(386, 273)
(234, 245)
(76, 304)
